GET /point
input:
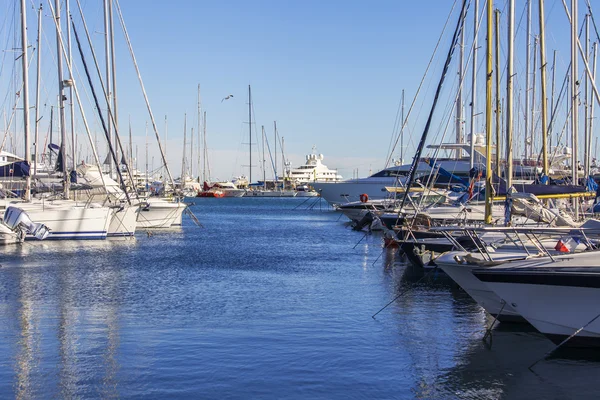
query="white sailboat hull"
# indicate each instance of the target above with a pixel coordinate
(123, 221)
(69, 222)
(160, 214)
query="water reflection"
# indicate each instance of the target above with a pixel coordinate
(68, 317)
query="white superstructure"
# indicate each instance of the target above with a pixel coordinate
(313, 171)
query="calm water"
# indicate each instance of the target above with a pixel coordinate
(263, 302)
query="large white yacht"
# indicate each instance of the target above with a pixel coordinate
(313, 171)
(376, 186)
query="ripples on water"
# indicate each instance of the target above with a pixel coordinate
(263, 302)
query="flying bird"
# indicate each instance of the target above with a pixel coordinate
(227, 98)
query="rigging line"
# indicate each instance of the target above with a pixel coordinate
(593, 20)
(109, 111)
(387, 162)
(139, 75)
(416, 159)
(433, 175)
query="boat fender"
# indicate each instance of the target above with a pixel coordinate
(364, 198)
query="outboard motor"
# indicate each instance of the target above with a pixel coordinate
(18, 220)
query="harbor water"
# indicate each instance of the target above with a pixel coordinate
(265, 300)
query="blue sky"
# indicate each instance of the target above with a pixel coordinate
(330, 73)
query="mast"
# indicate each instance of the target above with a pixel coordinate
(532, 103)
(113, 63)
(147, 185)
(71, 105)
(61, 103)
(510, 93)
(182, 179)
(527, 60)
(283, 159)
(574, 89)
(545, 149)
(37, 93)
(51, 129)
(459, 100)
(592, 102)
(25, 63)
(423, 140)
(250, 132)
(275, 151)
(137, 70)
(130, 145)
(497, 73)
(550, 128)
(402, 132)
(474, 80)
(263, 158)
(586, 105)
(108, 77)
(488, 116)
(199, 133)
(205, 151)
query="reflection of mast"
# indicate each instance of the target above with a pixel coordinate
(28, 347)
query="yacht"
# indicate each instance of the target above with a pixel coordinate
(313, 171)
(377, 186)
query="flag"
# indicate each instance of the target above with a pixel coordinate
(567, 244)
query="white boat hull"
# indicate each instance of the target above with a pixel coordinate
(348, 191)
(481, 293)
(123, 221)
(160, 214)
(69, 222)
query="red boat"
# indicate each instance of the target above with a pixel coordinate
(210, 192)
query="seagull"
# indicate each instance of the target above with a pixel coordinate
(227, 98)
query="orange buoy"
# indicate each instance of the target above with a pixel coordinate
(364, 198)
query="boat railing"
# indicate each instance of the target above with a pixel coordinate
(522, 237)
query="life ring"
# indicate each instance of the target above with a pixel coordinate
(364, 198)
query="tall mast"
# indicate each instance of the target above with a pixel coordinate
(527, 60)
(550, 128)
(25, 63)
(61, 104)
(283, 166)
(147, 186)
(275, 151)
(114, 110)
(532, 101)
(37, 93)
(474, 80)
(459, 100)
(130, 145)
(204, 177)
(263, 159)
(71, 105)
(182, 179)
(497, 73)
(108, 77)
(402, 132)
(137, 70)
(510, 93)
(488, 116)
(250, 132)
(586, 88)
(592, 102)
(574, 89)
(545, 151)
(199, 134)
